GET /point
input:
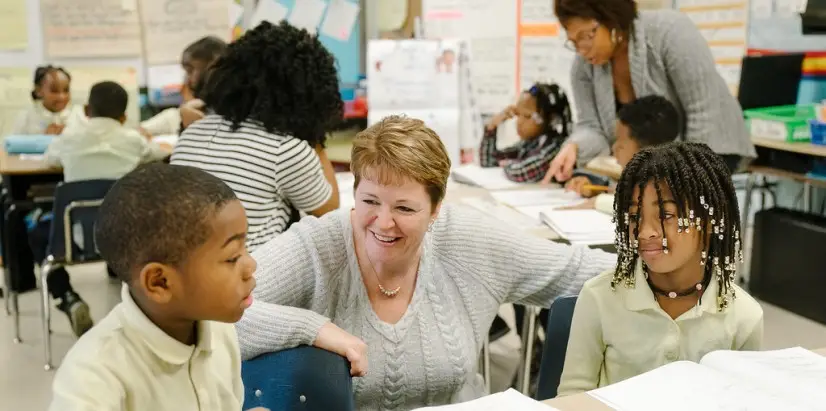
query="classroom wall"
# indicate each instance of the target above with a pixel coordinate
(34, 55)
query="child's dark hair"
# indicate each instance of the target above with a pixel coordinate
(146, 217)
(553, 107)
(41, 72)
(281, 77)
(206, 49)
(108, 99)
(653, 120)
(706, 201)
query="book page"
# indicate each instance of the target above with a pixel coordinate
(553, 197)
(508, 400)
(492, 178)
(687, 386)
(796, 373)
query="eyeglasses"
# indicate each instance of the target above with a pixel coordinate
(584, 40)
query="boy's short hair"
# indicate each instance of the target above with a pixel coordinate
(157, 213)
(652, 120)
(108, 99)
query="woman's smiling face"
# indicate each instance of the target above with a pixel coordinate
(392, 219)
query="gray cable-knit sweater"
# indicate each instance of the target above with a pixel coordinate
(470, 265)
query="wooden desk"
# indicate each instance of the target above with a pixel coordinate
(25, 165)
(585, 402)
(800, 148)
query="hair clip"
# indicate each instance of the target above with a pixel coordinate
(534, 90)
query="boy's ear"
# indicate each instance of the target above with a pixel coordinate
(122, 118)
(157, 281)
(86, 110)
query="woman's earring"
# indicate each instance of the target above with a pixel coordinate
(430, 226)
(614, 36)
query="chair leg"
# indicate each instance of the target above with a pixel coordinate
(45, 313)
(6, 297)
(15, 305)
(529, 334)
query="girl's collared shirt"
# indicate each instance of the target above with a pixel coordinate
(616, 335)
(37, 118)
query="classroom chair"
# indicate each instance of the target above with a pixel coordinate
(556, 344)
(75, 203)
(302, 378)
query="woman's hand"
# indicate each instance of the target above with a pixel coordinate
(562, 166)
(54, 129)
(191, 111)
(334, 339)
(500, 118)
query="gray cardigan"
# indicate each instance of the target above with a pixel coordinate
(470, 265)
(668, 57)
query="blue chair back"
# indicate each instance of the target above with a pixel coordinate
(76, 203)
(303, 378)
(556, 344)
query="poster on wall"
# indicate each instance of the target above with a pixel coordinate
(421, 79)
(13, 28)
(90, 28)
(169, 26)
(724, 24)
(513, 44)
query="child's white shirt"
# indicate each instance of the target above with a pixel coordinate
(102, 148)
(127, 363)
(37, 118)
(616, 335)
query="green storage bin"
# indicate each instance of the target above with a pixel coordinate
(783, 123)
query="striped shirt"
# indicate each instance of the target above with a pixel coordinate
(269, 173)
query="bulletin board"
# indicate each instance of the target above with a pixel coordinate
(776, 25)
(337, 23)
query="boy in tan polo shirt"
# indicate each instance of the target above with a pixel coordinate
(170, 344)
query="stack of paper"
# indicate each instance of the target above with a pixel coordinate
(790, 379)
(551, 197)
(587, 227)
(504, 213)
(345, 190)
(487, 178)
(508, 400)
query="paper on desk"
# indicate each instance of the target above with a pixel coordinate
(503, 213)
(549, 197)
(488, 178)
(584, 227)
(508, 400)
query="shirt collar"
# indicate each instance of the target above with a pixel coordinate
(104, 122)
(159, 342)
(640, 297)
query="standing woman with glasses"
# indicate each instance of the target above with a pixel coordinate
(622, 55)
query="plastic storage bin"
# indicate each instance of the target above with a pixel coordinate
(818, 131)
(784, 123)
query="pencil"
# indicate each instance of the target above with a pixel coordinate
(595, 188)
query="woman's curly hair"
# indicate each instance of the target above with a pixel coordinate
(279, 76)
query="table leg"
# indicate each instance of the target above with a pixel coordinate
(807, 197)
(744, 220)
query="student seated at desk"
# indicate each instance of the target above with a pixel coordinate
(102, 148)
(543, 122)
(275, 93)
(52, 109)
(170, 344)
(646, 122)
(196, 58)
(675, 206)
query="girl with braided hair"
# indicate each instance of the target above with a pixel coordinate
(52, 109)
(672, 295)
(543, 122)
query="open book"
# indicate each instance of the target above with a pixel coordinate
(789, 379)
(507, 400)
(492, 178)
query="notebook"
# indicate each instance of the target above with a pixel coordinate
(27, 144)
(507, 400)
(552, 197)
(586, 227)
(488, 178)
(789, 379)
